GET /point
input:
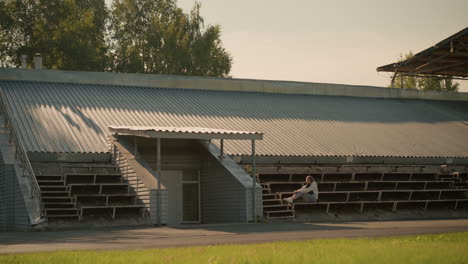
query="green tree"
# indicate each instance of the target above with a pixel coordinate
(70, 34)
(136, 36)
(155, 36)
(427, 83)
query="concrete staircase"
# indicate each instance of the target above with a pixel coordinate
(55, 198)
(273, 207)
(82, 191)
(25, 209)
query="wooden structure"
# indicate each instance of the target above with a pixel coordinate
(448, 58)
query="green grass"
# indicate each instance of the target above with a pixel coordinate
(445, 248)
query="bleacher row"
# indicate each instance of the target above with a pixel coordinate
(360, 192)
(77, 191)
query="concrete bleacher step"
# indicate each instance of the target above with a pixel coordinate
(275, 187)
(63, 217)
(348, 182)
(93, 178)
(57, 200)
(386, 195)
(100, 184)
(461, 185)
(109, 194)
(103, 174)
(276, 207)
(60, 211)
(70, 191)
(49, 178)
(370, 176)
(267, 196)
(108, 200)
(281, 217)
(54, 168)
(101, 190)
(280, 214)
(54, 194)
(54, 188)
(361, 206)
(371, 191)
(267, 202)
(88, 166)
(112, 208)
(450, 179)
(50, 183)
(52, 205)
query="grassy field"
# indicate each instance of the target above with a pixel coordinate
(445, 248)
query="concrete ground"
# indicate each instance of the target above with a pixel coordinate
(200, 235)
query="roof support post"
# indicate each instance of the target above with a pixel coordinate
(393, 78)
(402, 81)
(135, 143)
(254, 182)
(158, 173)
(221, 155)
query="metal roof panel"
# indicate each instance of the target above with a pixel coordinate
(64, 117)
(185, 132)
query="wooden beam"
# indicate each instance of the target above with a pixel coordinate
(456, 53)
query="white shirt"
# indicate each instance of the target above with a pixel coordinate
(312, 188)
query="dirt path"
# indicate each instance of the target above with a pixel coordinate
(199, 235)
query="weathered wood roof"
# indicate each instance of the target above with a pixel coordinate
(446, 58)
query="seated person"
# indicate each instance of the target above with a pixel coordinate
(309, 186)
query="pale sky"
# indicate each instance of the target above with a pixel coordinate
(329, 41)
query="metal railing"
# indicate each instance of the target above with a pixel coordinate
(125, 169)
(20, 153)
(143, 174)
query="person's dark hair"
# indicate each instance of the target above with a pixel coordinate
(312, 177)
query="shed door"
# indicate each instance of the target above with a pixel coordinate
(191, 195)
(173, 182)
(183, 187)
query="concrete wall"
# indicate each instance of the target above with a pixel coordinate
(3, 205)
(226, 190)
(223, 198)
(175, 153)
(126, 167)
(223, 84)
(13, 212)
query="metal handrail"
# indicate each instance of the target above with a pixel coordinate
(21, 153)
(122, 163)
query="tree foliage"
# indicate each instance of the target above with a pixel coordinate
(68, 33)
(429, 83)
(158, 37)
(134, 36)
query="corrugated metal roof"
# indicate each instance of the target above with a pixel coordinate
(185, 132)
(59, 117)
